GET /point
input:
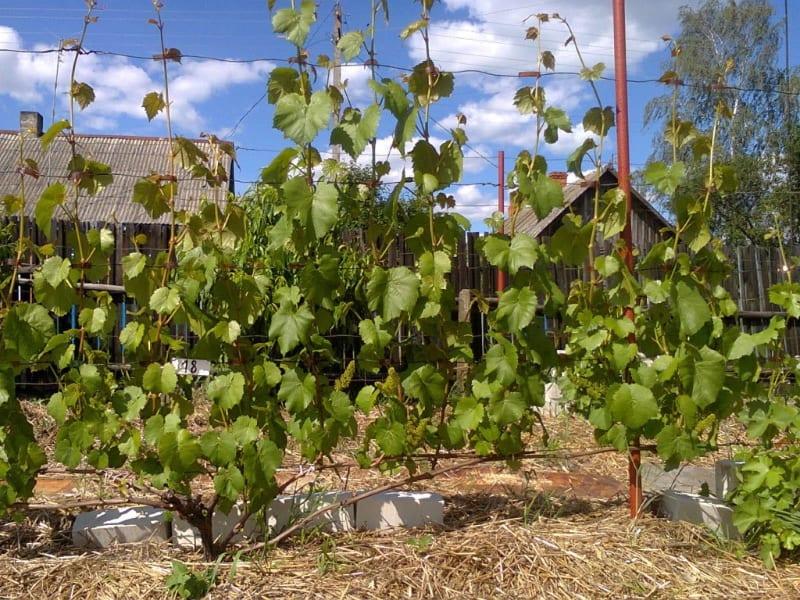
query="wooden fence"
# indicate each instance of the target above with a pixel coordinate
(754, 270)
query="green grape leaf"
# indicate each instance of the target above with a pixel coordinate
(709, 375)
(373, 334)
(301, 122)
(226, 390)
(744, 345)
(517, 308)
(93, 319)
(392, 292)
(468, 413)
(350, 44)
(612, 203)
(365, 399)
(131, 335)
(296, 393)
(135, 401)
(529, 100)
(356, 130)
(425, 384)
(521, 252)
(282, 81)
(52, 133)
(165, 300)
(179, 450)
(633, 405)
(433, 270)
(391, 439)
(153, 103)
(787, 296)
(599, 121)
(692, 308)
(428, 91)
(507, 409)
(219, 447)
(665, 179)
(245, 430)
(55, 270)
(502, 359)
(571, 240)
(26, 329)
(228, 484)
(593, 73)
(290, 326)
(53, 195)
(82, 93)
(160, 378)
(576, 158)
(556, 120)
(154, 198)
(295, 24)
(340, 406)
(317, 210)
(545, 195)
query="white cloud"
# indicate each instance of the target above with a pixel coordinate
(119, 83)
(496, 35)
(476, 202)
(492, 120)
(22, 77)
(397, 163)
(357, 78)
(491, 38)
(567, 142)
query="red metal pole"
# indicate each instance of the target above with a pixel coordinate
(624, 173)
(501, 207)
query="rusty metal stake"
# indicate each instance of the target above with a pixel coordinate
(624, 173)
(501, 208)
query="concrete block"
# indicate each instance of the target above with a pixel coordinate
(286, 510)
(726, 476)
(283, 511)
(688, 478)
(399, 509)
(104, 528)
(552, 400)
(701, 510)
(187, 536)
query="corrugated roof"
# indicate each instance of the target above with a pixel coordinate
(528, 222)
(130, 158)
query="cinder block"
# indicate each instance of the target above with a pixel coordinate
(399, 509)
(701, 510)
(283, 511)
(552, 400)
(688, 478)
(286, 510)
(187, 536)
(104, 528)
(726, 476)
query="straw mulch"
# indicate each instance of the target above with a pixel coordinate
(491, 547)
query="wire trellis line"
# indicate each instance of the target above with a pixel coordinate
(271, 59)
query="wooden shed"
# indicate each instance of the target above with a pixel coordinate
(647, 224)
(130, 158)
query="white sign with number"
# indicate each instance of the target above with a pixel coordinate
(192, 366)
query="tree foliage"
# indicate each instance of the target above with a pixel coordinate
(729, 51)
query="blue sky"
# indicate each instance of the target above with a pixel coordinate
(213, 96)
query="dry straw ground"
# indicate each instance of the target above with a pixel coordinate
(552, 529)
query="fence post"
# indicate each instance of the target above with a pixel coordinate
(464, 313)
(501, 208)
